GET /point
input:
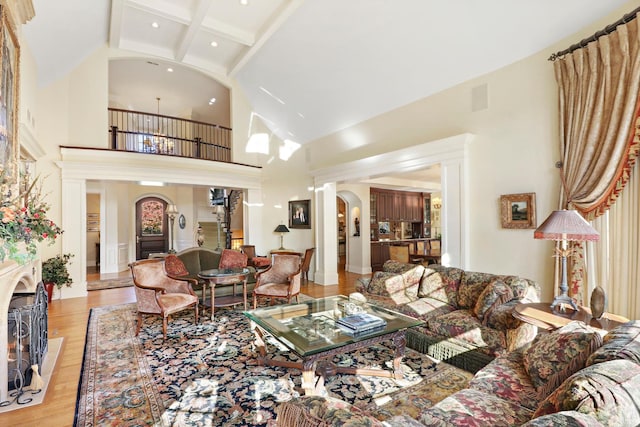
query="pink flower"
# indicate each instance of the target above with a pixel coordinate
(8, 214)
(44, 235)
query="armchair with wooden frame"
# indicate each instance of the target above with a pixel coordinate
(280, 280)
(306, 263)
(158, 294)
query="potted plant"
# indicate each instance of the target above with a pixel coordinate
(54, 272)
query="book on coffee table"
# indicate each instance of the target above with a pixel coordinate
(361, 322)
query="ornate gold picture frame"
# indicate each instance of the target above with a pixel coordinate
(518, 210)
(9, 84)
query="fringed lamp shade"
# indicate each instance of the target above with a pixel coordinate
(565, 225)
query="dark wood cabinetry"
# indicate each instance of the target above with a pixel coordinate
(379, 254)
(396, 205)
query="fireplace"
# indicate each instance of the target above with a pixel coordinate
(14, 279)
(27, 346)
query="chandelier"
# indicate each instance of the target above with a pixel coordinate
(158, 142)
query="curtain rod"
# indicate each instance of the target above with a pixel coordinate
(607, 30)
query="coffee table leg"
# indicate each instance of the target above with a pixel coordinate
(244, 292)
(309, 377)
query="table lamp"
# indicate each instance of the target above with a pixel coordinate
(281, 229)
(562, 226)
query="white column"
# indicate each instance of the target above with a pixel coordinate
(74, 224)
(326, 226)
(454, 214)
(253, 221)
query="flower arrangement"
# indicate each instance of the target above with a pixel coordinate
(23, 223)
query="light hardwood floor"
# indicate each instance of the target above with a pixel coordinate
(68, 319)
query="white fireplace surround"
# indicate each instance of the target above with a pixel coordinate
(13, 278)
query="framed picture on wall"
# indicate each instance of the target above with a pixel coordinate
(518, 210)
(9, 83)
(300, 214)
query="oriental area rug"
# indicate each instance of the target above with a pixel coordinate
(207, 375)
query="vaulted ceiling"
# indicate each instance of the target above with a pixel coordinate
(308, 67)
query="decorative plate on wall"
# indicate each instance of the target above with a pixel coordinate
(182, 221)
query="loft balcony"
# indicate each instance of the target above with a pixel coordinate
(139, 132)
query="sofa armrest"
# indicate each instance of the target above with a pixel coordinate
(519, 334)
(362, 284)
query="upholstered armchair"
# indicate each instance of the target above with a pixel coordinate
(253, 259)
(281, 280)
(159, 294)
(175, 268)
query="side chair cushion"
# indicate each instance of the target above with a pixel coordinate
(172, 303)
(260, 261)
(232, 259)
(555, 356)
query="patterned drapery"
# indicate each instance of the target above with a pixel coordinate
(599, 142)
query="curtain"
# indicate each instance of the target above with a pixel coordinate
(618, 252)
(598, 94)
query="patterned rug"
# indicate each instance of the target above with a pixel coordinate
(207, 375)
(98, 285)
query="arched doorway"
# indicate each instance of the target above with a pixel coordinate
(152, 230)
(341, 208)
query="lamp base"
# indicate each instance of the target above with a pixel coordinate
(561, 300)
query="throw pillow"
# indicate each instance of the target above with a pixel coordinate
(606, 391)
(555, 356)
(496, 293)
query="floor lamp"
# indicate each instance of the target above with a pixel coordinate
(172, 211)
(564, 226)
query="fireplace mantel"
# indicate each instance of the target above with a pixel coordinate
(14, 277)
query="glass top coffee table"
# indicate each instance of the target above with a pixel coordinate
(310, 330)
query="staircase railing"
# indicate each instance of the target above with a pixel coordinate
(157, 134)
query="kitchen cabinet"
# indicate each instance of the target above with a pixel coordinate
(388, 205)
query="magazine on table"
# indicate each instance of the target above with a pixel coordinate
(360, 322)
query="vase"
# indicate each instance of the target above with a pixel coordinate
(49, 288)
(598, 302)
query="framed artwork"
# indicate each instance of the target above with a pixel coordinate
(299, 214)
(9, 83)
(93, 222)
(518, 210)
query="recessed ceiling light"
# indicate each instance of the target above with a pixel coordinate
(244, 2)
(155, 25)
(170, 70)
(214, 43)
(211, 101)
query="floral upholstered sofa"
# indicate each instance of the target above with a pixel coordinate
(569, 377)
(468, 315)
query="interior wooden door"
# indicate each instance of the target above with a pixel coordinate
(151, 227)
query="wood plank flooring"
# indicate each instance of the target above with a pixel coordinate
(68, 319)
